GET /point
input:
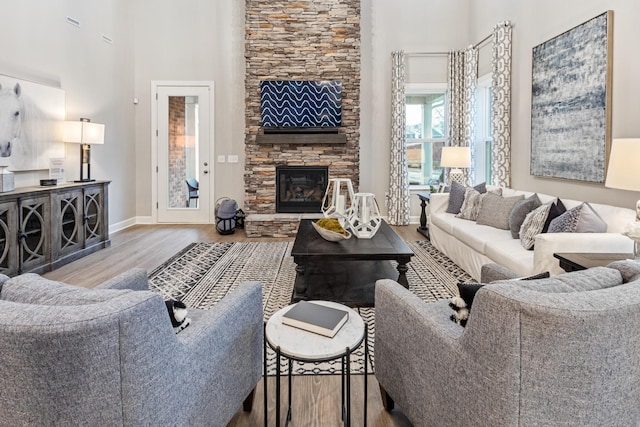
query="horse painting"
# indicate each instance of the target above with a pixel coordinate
(11, 114)
(31, 115)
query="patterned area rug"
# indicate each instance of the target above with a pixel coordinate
(203, 273)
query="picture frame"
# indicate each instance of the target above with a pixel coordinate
(571, 102)
(31, 117)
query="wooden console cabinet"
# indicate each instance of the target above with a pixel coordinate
(43, 228)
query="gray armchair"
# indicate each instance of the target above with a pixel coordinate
(109, 355)
(558, 351)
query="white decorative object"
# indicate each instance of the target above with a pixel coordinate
(329, 235)
(6, 180)
(338, 200)
(365, 219)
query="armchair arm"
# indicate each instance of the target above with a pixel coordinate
(549, 243)
(135, 279)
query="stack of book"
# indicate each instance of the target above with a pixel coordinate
(316, 318)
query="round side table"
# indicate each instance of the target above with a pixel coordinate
(303, 346)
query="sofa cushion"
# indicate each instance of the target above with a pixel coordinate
(510, 254)
(520, 211)
(532, 225)
(495, 210)
(457, 194)
(477, 236)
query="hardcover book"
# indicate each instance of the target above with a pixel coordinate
(316, 318)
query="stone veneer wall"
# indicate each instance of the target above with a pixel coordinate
(300, 40)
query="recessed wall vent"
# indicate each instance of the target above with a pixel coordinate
(73, 21)
(107, 39)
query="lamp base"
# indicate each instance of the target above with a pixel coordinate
(84, 180)
(457, 175)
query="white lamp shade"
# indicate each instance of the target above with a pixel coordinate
(455, 157)
(83, 132)
(623, 171)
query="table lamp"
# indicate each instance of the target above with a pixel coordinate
(623, 173)
(456, 158)
(85, 133)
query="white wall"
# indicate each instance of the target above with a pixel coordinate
(412, 26)
(38, 45)
(536, 21)
(195, 40)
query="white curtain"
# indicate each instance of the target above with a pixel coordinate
(501, 111)
(398, 203)
(462, 82)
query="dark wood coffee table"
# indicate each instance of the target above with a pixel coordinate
(346, 271)
(575, 261)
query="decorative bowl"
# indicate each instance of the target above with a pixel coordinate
(329, 235)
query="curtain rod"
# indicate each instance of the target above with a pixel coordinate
(477, 45)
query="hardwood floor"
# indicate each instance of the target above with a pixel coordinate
(316, 400)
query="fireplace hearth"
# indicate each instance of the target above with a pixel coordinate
(299, 189)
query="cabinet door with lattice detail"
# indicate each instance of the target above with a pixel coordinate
(67, 233)
(8, 238)
(93, 211)
(34, 243)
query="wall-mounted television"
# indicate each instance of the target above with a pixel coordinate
(300, 104)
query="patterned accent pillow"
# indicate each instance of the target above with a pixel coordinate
(495, 210)
(532, 225)
(473, 202)
(520, 211)
(567, 222)
(456, 195)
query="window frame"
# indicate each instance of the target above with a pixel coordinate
(424, 89)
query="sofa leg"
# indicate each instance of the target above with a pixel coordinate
(248, 402)
(387, 401)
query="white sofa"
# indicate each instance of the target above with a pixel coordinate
(471, 245)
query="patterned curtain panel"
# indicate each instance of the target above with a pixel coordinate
(399, 174)
(461, 106)
(501, 112)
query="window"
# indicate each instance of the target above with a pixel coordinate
(425, 132)
(484, 129)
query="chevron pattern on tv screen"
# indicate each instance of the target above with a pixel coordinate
(301, 103)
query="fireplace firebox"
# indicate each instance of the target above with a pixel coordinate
(300, 189)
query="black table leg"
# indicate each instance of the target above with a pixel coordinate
(402, 270)
(264, 377)
(278, 386)
(366, 360)
(347, 421)
(290, 373)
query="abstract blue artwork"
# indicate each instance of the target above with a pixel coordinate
(300, 103)
(570, 103)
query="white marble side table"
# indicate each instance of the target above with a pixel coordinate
(299, 345)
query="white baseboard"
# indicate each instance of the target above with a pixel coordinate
(119, 226)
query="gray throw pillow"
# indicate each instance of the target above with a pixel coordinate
(456, 195)
(520, 211)
(495, 210)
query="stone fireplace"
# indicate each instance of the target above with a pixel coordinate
(298, 40)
